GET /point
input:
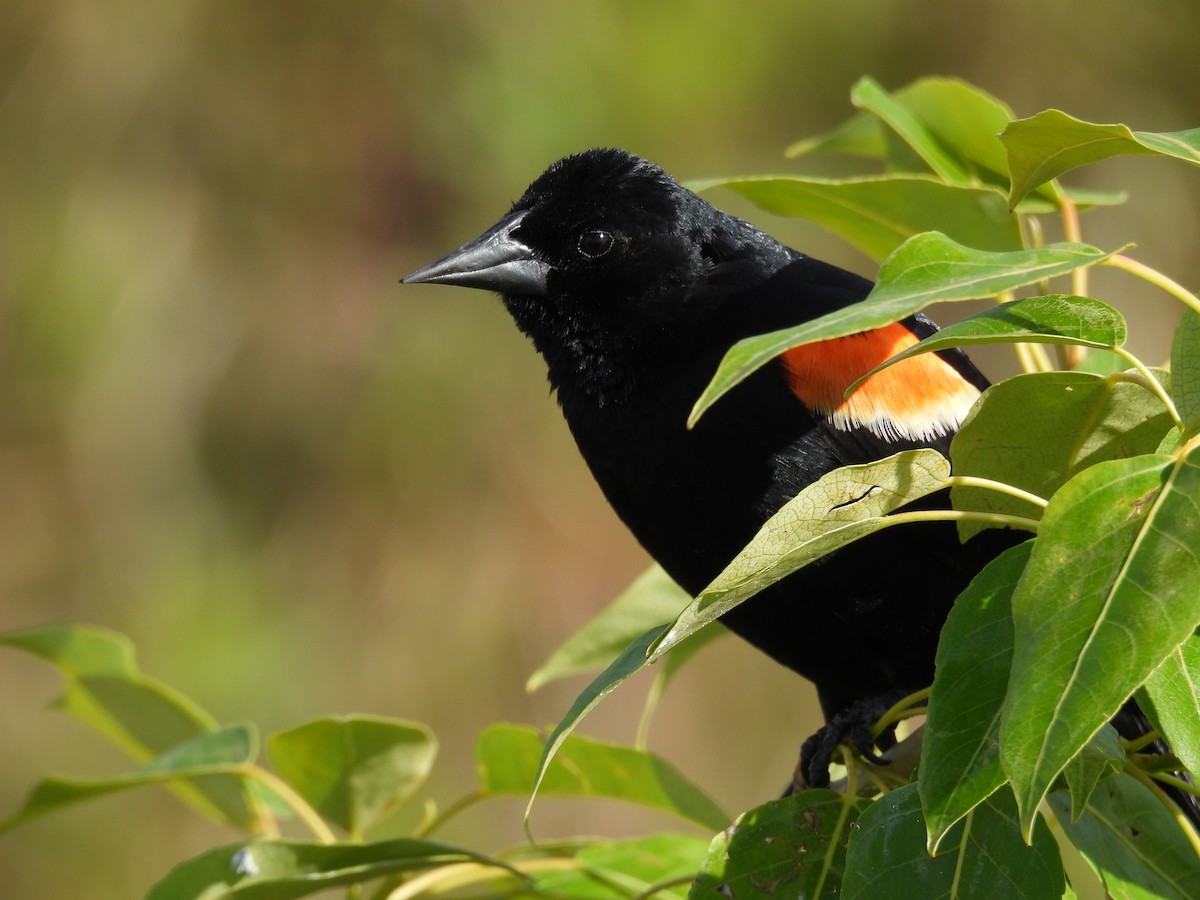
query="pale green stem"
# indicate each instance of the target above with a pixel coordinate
(1178, 783)
(664, 885)
(467, 800)
(1033, 358)
(465, 874)
(295, 802)
(1151, 384)
(996, 520)
(998, 486)
(899, 711)
(1137, 744)
(1181, 819)
(1155, 277)
(1071, 355)
(1072, 232)
(641, 738)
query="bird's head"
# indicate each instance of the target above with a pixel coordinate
(605, 252)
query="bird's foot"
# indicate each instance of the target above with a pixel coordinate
(853, 726)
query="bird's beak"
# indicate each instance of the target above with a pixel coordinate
(494, 261)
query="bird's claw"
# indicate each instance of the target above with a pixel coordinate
(853, 726)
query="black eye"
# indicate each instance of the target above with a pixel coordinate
(594, 244)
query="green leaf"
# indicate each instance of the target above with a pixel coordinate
(1112, 588)
(877, 214)
(1171, 700)
(860, 135)
(840, 507)
(356, 770)
(868, 95)
(632, 660)
(1185, 369)
(982, 856)
(141, 715)
(960, 758)
(1131, 841)
(508, 761)
(652, 599)
(214, 753)
(964, 119)
(278, 870)
(1045, 146)
(794, 847)
(1036, 431)
(1100, 757)
(1052, 319)
(928, 268)
(617, 870)
(77, 650)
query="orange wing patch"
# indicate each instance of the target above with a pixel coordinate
(918, 399)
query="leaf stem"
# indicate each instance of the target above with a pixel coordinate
(464, 802)
(1032, 358)
(657, 686)
(1180, 818)
(1069, 356)
(464, 874)
(1155, 277)
(1141, 743)
(997, 520)
(664, 885)
(899, 710)
(1150, 383)
(998, 486)
(1072, 232)
(295, 802)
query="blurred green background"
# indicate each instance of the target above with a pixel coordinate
(227, 431)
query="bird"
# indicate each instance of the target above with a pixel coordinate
(632, 288)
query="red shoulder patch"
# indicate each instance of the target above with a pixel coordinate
(918, 399)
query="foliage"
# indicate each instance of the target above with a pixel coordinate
(1022, 788)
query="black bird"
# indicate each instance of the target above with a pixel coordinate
(633, 288)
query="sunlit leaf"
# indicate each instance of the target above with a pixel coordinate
(1171, 700)
(652, 599)
(1050, 143)
(960, 757)
(928, 268)
(618, 870)
(860, 135)
(867, 94)
(982, 856)
(877, 214)
(1112, 588)
(77, 650)
(279, 870)
(1185, 368)
(1036, 431)
(1132, 841)
(631, 660)
(965, 120)
(1052, 319)
(1100, 757)
(214, 753)
(508, 756)
(144, 717)
(838, 508)
(354, 770)
(794, 847)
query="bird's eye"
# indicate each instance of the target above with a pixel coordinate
(594, 244)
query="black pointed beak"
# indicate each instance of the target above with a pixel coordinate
(494, 261)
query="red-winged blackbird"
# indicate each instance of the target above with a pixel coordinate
(632, 289)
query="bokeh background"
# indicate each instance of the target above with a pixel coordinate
(226, 431)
